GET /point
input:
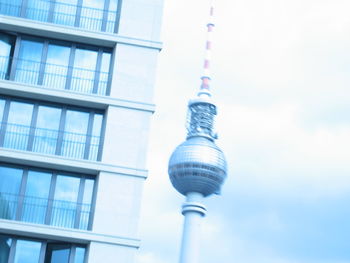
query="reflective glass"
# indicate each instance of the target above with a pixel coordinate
(79, 255)
(65, 201)
(96, 137)
(18, 125)
(46, 132)
(38, 10)
(36, 197)
(112, 16)
(10, 183)
(103, 80)
(2, 105)
(86, 206)
(6, 50)
(57, 253)
(10, 7)
(27, 251)
(5, 246)
(92, 14)
(84, 70)
(56, 67)
(28, 63)
(74, 137)
(65, 12)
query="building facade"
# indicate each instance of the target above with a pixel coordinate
(76, 88)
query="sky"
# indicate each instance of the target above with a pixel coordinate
(281, 83)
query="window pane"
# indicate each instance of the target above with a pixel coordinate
(10, 7)
(65, 11)
(84, 70)
(36, 197)
(6, 50)
(46, 132)
(56, 66)
(5, 246)
(57, 253)
(96, 137)
(28, 63)
(38, 9)
(79, 255)
(92, 14)
(27, 251)
(65, 201)
(10, 183)
(86, 206)
(18, 125)
(112, 16)
(104, 72)
(74, 136)
(2, 105)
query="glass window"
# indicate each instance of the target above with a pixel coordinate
(79, 255)
(112, 16)
(38, 9)
(56, 67)
(95, 138)
(6, 51)
(65, 11)
(74, 137)
(5, 246)
(46, 132)
(10, 7)
(65, 201)
(86, 206)
(84, 70)
(10, 183)
(18, 125)
(57, 253)
(92, 14)
(2, 105)
(27, 251)
(103, 78)
(36, 197)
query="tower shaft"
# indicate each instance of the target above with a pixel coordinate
(193, 211)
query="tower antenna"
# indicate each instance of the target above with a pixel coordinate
(197, 168)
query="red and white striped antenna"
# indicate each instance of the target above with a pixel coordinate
(205, 86)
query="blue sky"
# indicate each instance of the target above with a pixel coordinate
(281, 83)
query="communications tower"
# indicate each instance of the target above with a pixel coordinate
(197, 167)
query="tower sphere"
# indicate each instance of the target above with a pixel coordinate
(197, 165)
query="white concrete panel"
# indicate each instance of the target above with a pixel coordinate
(134, 73)
(118, 205)
(141, 19)
(106, 253)
(126, 137)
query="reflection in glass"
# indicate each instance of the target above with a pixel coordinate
(28, 63)
(5, 246)
(10, 7)
(2, 105)
(46, 132)
(10, 182)
(86, 206)
(65, 201)
(103, 78)
(84, 70)
(57, 253)
(79, 255)
(18, 125)
(64, 12)
(38, 10)
(56, 67)
(36, 197)
(74, 137)
(112, 16)
(6, 50)
(95, 138)
(92, 14)
(27, 251)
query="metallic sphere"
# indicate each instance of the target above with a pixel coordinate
(197, 165)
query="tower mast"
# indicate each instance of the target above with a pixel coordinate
(197, 167)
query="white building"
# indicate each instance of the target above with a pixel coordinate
(76, 88)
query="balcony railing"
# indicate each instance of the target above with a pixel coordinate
(38, 210)
(47, 141)
(54, 76)
(61, 13)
